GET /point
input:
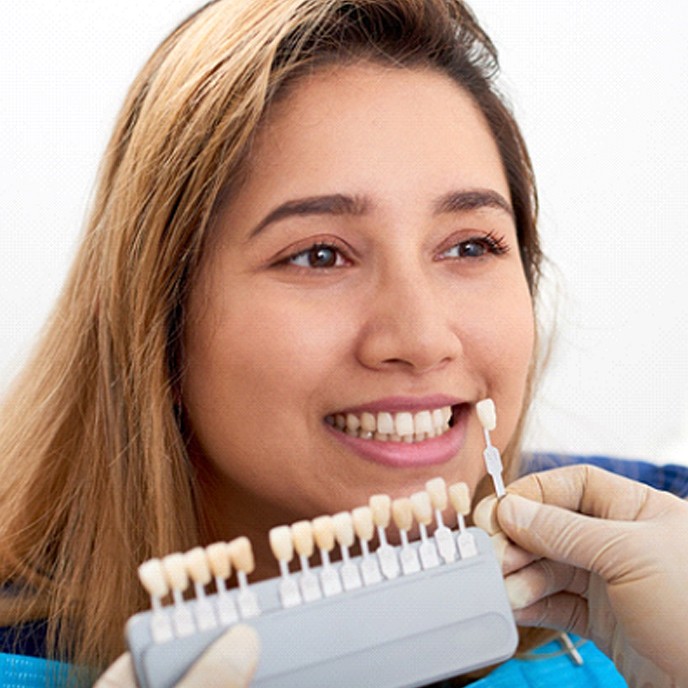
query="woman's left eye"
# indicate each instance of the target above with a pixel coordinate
(476, 247)
(318, 256)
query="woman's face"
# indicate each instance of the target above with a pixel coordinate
(367, 270)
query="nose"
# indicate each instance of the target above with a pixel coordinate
(411, 325)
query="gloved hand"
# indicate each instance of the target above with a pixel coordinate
(603, 557)
(228, 663)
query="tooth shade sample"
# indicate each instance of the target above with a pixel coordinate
(302, 535)
(323, 532)
(437, 490)
(241, 554)
(381, 507)
(175, 571)
(422, 507)
(385, 423)
(363, 522)
(402, 512)
(403, 424)
(152, 577)
(487, 414)
(460, 498)
(281, 543)
(218, 560)
(343, 528)
(197, 566)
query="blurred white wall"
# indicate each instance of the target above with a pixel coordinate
(601, 92)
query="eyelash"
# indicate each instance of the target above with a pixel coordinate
(490, 244)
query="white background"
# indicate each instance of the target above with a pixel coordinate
(601, 92)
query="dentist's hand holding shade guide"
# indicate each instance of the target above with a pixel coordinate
(398, 615)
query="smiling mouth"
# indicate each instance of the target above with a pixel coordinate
(404, 426)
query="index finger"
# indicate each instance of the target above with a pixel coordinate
(588, 490)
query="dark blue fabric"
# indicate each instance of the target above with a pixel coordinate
(670, 478)
(27, 639)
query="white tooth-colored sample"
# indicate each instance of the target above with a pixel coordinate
(381, 507)
(197, 566)
(302, 536)
(343, 528)
(281, 543)
(446, 414)
(437, 491)
(402, 513)
(422, 512)
(241, 554)
(243, 561)
(487, 414)
(152, 577)
(460, 498)
(352, 422)
(175, 571)
(368, 422)
(385, 423)
(323, 532)
(403, 424)
(218, 560)
(423, 422)
(422, 507)
(344, 532)
(362, 517)
(438, 420)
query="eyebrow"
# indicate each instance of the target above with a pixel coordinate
(341, 204)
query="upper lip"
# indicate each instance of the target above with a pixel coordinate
(398, 404)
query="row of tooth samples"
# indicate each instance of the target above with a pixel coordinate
(363, 523)
(394, 427)
(175, 573)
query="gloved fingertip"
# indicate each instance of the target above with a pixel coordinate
(485, 515)
(516, 512)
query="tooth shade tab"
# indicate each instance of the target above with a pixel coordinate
(281, 543)
(362, 517)
(197, 566)
(241, 555)
(218, 560)
(487, 414)
(385, 423)
(437, 491)
(460, 498)
(323, 533)
(422, 508)
(302, 535)
(343, 528)
(174, 567)
(381, 508)
(152, 577)
(402, 513)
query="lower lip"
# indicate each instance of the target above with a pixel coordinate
(436, 450)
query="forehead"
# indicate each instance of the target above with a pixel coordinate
(366, 129)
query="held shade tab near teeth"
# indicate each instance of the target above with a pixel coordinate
(487, 415)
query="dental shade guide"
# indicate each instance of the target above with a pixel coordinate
(338, 623)
(487, 415)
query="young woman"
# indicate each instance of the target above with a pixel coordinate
(310, 210)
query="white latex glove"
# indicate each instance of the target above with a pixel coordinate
(603, 557)
(228, 663)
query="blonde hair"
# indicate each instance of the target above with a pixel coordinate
(94, 472)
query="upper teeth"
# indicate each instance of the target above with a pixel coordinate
(403, 426)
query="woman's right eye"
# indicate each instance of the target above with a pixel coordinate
(318, 256)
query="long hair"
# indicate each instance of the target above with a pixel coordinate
(94, 473)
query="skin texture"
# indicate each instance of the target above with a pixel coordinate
(273, 345)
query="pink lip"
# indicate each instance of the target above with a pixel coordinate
(409, 455)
